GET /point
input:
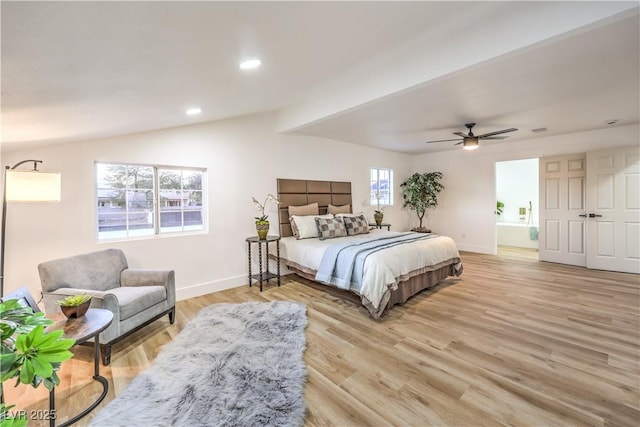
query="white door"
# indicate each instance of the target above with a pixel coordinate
(613, 207)
(562, 235)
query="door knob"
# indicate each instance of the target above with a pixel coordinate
(592, 215)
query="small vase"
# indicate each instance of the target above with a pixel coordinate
(262, 229)
(75, 311)
(378, 217)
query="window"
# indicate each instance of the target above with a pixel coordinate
(381, 187)
(145, 200)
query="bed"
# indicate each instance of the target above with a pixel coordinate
(388, 267)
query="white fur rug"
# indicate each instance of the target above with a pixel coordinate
(232, 365)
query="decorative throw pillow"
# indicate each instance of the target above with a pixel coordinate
(329, 228)
(339, 209)
(356, 225)
(305, 226)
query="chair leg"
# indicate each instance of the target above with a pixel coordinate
(106, 354)
(172, 315)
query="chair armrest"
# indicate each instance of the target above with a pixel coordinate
(140, 277)
(143, 277)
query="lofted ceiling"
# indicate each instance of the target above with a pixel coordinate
(383, 74)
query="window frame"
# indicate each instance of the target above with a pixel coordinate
(373, 200)
(156, 229)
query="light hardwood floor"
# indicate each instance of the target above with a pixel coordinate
(513, 341)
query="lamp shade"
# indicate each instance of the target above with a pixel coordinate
(32, 186)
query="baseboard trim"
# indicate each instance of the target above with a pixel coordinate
(476, 249)
(207, 288)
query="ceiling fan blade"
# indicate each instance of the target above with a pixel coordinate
(493, 137)
(496, 132)
(461, 134)
(443, 140)
(459, 142)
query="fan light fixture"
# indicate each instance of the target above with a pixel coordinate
(470, 143)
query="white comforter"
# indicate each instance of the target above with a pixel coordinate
(382, 270)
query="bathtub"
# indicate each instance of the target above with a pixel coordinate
(518, 235)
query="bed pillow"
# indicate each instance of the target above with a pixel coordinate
(310, 209)
(356, 225)
(339, 209)
(330, 228)
(305, 226)
(353, 215)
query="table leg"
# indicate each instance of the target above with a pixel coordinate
(278, 260)
(267, 261)
(249, 249)
(52, 407)
(260, 263)
(102, 380)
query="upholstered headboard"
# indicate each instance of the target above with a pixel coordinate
(297, 192)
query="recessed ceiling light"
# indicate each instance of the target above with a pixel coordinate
(193, 111)
(250, 63)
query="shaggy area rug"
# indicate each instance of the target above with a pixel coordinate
(232, 365)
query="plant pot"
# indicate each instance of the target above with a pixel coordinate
(262, 229)
(75, 311)
(378, 216)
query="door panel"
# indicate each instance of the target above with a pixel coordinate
(562, 201)
(576, 237)
(613, 198)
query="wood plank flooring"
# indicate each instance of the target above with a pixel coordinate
(513, 341)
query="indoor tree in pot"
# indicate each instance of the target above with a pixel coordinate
(420, 192)
(262, 222)
(28, 353)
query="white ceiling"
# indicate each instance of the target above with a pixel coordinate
(383, 74)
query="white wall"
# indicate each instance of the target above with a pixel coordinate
(516, 186)
(244, 157)
(467, 204)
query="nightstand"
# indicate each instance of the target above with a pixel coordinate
(384, 224)
(264, 274)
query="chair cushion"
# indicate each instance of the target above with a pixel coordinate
(134, 299)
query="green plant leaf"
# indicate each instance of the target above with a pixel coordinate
(55, 356)
(27, 373)
(7, 365)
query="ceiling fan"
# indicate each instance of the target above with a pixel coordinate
(470, 141)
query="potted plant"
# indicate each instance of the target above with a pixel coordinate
(262, 222)
(28, 353)
(499, 208)
(74, 306)
(420, 192)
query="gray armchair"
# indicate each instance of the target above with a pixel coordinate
(136, 297)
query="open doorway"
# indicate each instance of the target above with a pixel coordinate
(517, 192)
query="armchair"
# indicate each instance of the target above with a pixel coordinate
(136, 297)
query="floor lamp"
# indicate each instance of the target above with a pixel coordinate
(25, 186)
